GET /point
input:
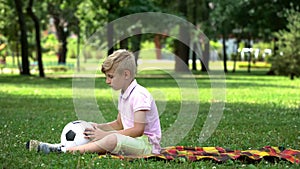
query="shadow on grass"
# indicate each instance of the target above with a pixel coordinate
(233, 80)
(243, 125)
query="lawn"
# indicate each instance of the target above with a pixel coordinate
(259, 110)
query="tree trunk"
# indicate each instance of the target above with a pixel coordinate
(224, 53)
(78, 47)
(157, 44)
(37, 38)
(110, 29)
(182, 56)
(292, 76)
(195, 7)
(237, 54)
(64, 50)
(25, 62)
(248, 45)
(194, 57)
(182, 50)
(62, 34)
(124, 43)
(249, 62)
(110, 38)
(205, 58)
(136, 43)
(17, 55)
(234, 63)
(275, 50)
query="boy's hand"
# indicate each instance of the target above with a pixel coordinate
(94, 133)
(95, 125)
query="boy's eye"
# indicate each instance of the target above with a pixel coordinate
(110, 76)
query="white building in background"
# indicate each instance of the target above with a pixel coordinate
(231, 47)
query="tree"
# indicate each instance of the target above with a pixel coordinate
(131, 7)
(166, 7)
(259, 19)
(198, 14)
(35, 19)
(91, 16)
(23, 28)
(182, 50)
(9, 27)
(255, 20)
(221, 20)
(287, 59)
(112, 7)
(107, 12)
(195, 12)
(64, 19)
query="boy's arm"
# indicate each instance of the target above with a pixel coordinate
(139, 125)
(114, 125)
(136, 131)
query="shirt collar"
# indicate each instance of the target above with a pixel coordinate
(129, 90)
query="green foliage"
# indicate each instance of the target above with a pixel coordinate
(260, 110)
(50, 44)
(255, 19)
(8, 20)
(72, 47)
(287, 59)
(262, 46)
(92, 16)
(216, 45)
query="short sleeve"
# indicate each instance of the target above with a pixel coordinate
(141, 100)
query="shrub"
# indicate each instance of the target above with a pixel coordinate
(287, 59)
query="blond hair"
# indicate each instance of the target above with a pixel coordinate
(119, 61)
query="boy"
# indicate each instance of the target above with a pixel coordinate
(136, 131)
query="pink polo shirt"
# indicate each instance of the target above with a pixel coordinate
(136, 98)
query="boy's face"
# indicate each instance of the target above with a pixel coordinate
(114, 79)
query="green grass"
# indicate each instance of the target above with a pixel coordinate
(260, 110)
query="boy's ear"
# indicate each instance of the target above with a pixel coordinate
(127, 74)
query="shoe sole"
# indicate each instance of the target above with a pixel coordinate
(33, 145)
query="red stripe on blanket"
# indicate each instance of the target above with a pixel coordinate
(218, 154)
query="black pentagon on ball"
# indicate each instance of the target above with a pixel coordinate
(70, 135)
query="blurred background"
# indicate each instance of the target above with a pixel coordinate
(46, 37)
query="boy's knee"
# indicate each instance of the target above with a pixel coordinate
(111, 139)
(109, 142)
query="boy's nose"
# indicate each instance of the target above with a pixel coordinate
(108, 80)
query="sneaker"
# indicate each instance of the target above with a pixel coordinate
(34, 145)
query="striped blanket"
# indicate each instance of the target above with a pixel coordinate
(218, 154)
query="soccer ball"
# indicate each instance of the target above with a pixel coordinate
(72, 134)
